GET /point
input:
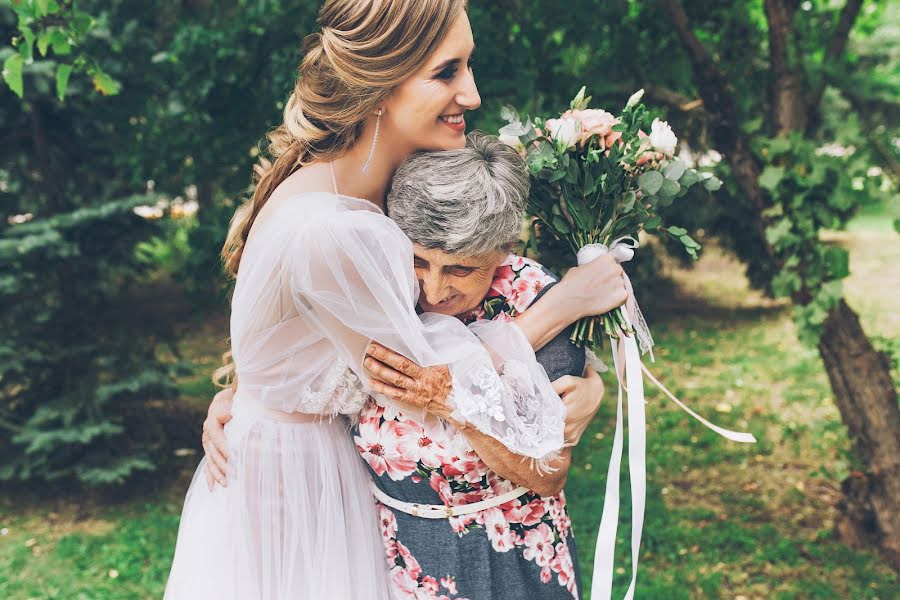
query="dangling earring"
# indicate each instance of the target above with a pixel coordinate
(365, 168)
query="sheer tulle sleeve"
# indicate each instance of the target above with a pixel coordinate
(351, 276)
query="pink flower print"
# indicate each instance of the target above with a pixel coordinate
(421, 443)
(528, 514)
(546, 575)
(378, 445)
(539, 545)
(502, 283)
(403, 584)
(515, 262)
(503, 317)
(388, 521)
(439, 484)
(528, 285)
(497, 528)
(409, 561)
(449, 584)
(430, 584)
(562, 564)
(460, 524)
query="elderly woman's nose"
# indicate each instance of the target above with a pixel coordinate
(434, 287)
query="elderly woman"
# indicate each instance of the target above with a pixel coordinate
(461, 516)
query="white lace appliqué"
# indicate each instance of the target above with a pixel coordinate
(339, 391)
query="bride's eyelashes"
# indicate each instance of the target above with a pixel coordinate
(450, 70)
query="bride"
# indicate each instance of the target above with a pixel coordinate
(321, 272)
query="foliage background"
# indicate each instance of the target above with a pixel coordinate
(111, 321)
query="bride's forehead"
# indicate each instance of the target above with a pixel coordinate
(458, 43)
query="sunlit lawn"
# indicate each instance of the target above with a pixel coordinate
(724, 520)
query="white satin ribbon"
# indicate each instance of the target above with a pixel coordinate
(604, 554)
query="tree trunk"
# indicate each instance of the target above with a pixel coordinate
(860, 376)
(866, 397)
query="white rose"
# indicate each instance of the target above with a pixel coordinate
(512, 141)
(662, 138)
(565, 132)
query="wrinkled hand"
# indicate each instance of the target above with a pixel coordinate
(215, 445)
(595, 288)
(404, 381)
(582, 396)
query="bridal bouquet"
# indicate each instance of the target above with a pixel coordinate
(598, 179)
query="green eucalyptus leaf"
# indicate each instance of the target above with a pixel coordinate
(652, 223)
(712, 184)
(675, 169)
(651, 182)
(669, 189)
(689, 178)
(677, 231)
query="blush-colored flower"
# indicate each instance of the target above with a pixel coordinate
(403, 583)
(497, 528)
(379, 446)
(539, 545)
(527, 286)
(565, 131)
(430, 585)
(449, 584)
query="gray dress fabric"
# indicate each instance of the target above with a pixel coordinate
(523, 549)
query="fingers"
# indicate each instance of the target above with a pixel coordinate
(395, 393)
(564, 385)
(215, 445)
(393, 359)
(388, 375)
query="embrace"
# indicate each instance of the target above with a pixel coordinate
(405, 395)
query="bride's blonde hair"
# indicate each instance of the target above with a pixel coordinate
(365, 49)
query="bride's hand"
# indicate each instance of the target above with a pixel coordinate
(404, 381)
(595, 288)
(582, 396)
(215, 445)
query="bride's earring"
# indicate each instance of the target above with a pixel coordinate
(365, 168)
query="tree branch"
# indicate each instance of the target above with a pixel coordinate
(836, 46)
(787, 90)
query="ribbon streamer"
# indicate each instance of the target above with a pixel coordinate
(604, 556)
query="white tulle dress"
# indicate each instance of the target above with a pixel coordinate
(321, 276)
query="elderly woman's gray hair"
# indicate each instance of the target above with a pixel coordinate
(469, 201)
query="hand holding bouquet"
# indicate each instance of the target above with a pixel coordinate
(598, 180)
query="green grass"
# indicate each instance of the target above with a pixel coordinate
(724, 520)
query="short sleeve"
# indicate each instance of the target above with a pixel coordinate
(351, 276)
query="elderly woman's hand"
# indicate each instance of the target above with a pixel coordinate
(215, 445)
(582, 396)
(404, 381)
(595, 288)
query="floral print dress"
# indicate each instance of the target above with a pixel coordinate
(521, 549)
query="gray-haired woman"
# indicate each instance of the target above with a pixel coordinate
(460, 514)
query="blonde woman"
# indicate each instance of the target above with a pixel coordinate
(322, 272)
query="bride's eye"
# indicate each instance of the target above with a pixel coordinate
(448, 72)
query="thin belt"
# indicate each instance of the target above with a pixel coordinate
(441, 511)
(251, 406)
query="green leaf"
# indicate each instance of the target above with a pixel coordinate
(43, 41)
(62, 80)
(628, 201)
(779, 145)
(689, 242)
(771, 177)
(60, 42)
(560, 225)
(43, 8)
(650, 182)
(838, 261)
(510, 114)
(675, 169)
(712, 184)
(105, 84)
(777, 232)
(897, 225)
(689, 178)
(12, 74)
(28, 44)
(677, 231)
(652, 223)
(669, 189)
